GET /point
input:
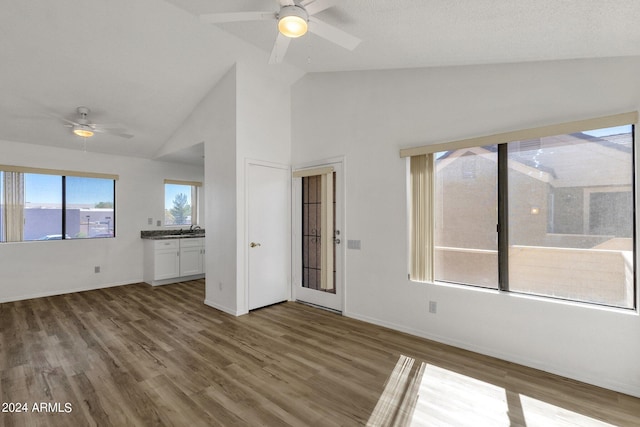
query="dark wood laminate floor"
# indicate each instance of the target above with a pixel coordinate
(137, 355)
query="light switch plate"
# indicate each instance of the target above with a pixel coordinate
(353, 244)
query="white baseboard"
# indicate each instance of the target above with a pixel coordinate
(220, 307)
(68, 291)
(174, 280)
(626, 388)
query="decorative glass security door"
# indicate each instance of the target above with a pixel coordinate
(317, 252)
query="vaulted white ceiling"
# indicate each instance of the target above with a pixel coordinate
(428, 33)
(146, 64)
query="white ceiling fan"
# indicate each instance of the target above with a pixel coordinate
(83, 127)
(294, 18)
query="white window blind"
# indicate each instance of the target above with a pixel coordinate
(421, 218)
(13, 203)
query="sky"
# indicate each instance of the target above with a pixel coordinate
(48, 189)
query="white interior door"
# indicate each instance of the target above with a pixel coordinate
(317, 235)
(268, 246)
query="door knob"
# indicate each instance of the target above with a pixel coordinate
(254, 244)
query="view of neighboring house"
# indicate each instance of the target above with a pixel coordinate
(43, 222)
(570, 202)
(81, 222)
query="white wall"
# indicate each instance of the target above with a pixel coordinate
(33, 269)
(219, 126)
(369, 116)
(263, 134)
(246, 116)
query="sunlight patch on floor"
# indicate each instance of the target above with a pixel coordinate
(420, 394)
(541, 413)
(396, 403)
(449, 398)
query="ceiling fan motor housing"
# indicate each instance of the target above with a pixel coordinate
(83, 112)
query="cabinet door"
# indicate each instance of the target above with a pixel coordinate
(191, 261)
(166, 264)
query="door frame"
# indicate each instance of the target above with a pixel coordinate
(246, 238)
(296, 226)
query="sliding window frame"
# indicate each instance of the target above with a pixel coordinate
(635, 218)
(63, 217)
(502, 228)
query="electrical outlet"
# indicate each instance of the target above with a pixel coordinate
(96, 269)
(220, 285)
(149, 221)
(159, 223)
(433, 307)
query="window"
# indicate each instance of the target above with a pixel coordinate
(549, 215)
(89, 207)
(466, 245)
(42, 207)
(570, 217)
(42, 204)
(180, 202)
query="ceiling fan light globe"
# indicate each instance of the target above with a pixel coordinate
(83, 131)
(292, 26)
(293, 21)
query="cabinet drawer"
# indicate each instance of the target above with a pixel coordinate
(166, 244)
(192, 242)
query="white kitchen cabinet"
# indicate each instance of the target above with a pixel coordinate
(173, 260)
(191, 256)
(166, 259)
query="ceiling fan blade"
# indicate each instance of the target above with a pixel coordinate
(279, 49)
(69, 122)
(116, 132)
(315, 6)
(59, 117)
(219, 18)
(108, 126)
(121, 135)
(333, 34)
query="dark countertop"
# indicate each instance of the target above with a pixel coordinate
(171, 234)
(174, 236)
